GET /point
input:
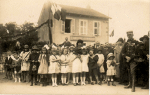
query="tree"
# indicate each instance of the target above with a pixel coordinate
(11, 27)
(2, 30)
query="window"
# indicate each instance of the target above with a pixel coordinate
(96, 28)
(68, 26)
(82, 27)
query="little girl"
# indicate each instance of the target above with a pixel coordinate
(43, 68)
(111, 70)
(17, 66)
(54, 66)
(100, 64)
(84, 65)
(64, 65)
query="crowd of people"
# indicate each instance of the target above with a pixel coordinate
(59, 64)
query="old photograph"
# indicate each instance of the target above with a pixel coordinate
(74, 47)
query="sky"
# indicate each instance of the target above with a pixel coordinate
(126, 14)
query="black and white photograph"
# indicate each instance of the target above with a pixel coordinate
(74, 47)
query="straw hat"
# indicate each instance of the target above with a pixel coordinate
(110, 55)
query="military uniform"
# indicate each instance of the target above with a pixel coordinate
(129, 51)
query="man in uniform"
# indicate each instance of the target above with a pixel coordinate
(128, 52)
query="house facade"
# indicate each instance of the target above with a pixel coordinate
(81, 23)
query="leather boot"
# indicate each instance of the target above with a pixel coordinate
(133, 83)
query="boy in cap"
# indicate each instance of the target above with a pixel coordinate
(34, 64)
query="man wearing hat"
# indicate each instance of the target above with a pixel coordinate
(145, 41)
(128, 53)
(34, 64)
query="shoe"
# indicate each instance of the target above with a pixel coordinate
(31, 85)
(108, 84)
(100, 83)
(92, 83)
(133, 90)
(56, 85)
(145, 87)
(113, 84)
(129, 86)
(35, 83)
(74, 84)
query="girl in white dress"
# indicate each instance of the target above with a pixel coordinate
(64, 65)
(25, 64)
(54, 66)
(43, 68)
(84, 65)
(111, 68)
(71, 57)
(100, 64)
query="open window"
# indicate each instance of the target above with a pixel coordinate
(68, 26)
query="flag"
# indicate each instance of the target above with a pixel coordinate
(7, 31)
(112, 34)
(58, 12)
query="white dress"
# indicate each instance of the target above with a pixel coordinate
(43, 68)
(54, 66)
(76, 66)
(111, 70)
(100, 62)
(71, 57)
(84, 65)
(64, 66)
(25, 65)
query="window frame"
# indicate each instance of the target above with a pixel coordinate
(86, 32)
(98, 28)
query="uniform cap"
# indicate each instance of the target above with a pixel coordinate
(26, 46)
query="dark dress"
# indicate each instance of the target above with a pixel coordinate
(32, 70)
(8, 63)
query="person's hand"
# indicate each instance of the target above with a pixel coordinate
(33, 61)
(128, 58)
(147, 56)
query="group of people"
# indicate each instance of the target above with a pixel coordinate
(56, 64)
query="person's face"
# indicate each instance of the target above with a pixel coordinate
(71, 49)
(91, 52)
(44, 51)
(15, 55)
(111, 58)
(34, 51)
(84, 52)
(119, 42)
(66, 39)
(145, 40)
(79, 44)
(130, 36)
(99, 52)
(54, 52)
(9, 53)
(65, 51)
(25, 49)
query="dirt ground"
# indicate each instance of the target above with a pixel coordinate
(10, 87)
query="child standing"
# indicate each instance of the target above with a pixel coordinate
(24, 55)
(43, 68)
(54, 66)
(100, 64)
(8, 63)
(64, 65)
(84, 65)
(111, 70)
(17, 66)
(34, 64)
(93, 67)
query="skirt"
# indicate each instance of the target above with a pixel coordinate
(111, 72)
(76, 66)
(54, 68)
(84, 67)
(43, 69)
(25, 66)
(64, 69)
(101, 69)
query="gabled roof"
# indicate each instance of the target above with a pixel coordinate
(83, 11)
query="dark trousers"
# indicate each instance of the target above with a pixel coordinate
(132, 73)
(33, 76)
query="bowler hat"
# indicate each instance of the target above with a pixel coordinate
(145, 36)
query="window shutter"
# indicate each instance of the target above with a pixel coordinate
(73, 26)
(99, 28)
(62, 27)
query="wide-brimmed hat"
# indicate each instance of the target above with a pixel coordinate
(26, 46)
(110, 55)
(145, 36)
(34, 47)
(120, 39)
